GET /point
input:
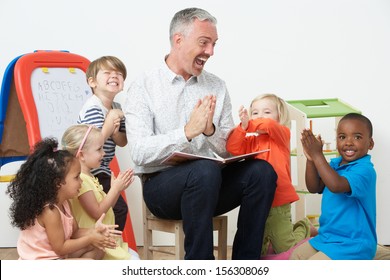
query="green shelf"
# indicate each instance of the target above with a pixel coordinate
(322, 108)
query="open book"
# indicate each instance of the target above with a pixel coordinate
(179, 157)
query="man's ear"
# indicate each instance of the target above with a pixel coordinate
(177, 39)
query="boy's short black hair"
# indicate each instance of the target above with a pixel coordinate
(360, 117)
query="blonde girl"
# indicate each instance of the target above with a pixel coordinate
(86, 143)
(266, 126)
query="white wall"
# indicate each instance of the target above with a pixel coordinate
(303, 49)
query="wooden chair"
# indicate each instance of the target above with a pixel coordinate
(152, 223)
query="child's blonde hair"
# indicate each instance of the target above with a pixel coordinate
(78, 135)
(281, 105)
(106, 62)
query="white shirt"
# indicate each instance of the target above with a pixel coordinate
(157, 107)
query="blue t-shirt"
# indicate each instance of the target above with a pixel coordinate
(348, 220)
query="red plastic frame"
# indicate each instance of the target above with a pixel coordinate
(22, 75)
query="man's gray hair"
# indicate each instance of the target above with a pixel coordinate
(182, 20)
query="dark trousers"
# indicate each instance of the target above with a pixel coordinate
(120, 208)
(198, 190)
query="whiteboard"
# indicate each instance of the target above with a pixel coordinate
(59, 93)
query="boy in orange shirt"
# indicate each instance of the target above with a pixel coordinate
(266, 126)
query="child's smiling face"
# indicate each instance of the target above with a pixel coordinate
(353, 140)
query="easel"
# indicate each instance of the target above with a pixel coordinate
(21, 125)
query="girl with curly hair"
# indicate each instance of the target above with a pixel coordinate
(40, 208)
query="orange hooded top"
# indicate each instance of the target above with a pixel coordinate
(273, 136)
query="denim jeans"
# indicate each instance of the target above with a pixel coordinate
(198, 190)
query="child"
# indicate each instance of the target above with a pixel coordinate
(348, 209)
(267, 127)
(86, 143)
(106, 77)
(40, 208)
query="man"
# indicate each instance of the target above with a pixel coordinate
(180, 107)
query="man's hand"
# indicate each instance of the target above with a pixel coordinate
(210, 128)
(201, 120)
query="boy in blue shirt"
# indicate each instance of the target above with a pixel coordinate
(348, 186)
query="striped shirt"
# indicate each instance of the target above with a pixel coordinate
(94, 113)
(157, 107)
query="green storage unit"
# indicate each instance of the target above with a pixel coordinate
(301, 112)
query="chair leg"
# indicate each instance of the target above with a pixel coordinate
(179, 241)
(176, 227)
(222, 239)
(148, 244)
(148, 238)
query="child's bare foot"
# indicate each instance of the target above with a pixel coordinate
(313, 230)
(313, 220)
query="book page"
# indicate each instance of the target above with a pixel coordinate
(245, 156)
(179, 157)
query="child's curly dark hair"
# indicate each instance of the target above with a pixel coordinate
(37, 182)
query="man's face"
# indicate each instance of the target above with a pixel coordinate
(195, 48)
